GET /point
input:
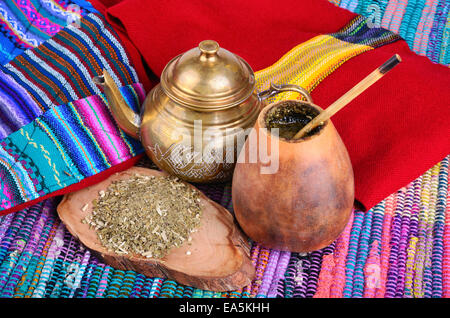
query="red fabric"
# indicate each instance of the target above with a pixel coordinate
(258, 31)
(398, 128)
(394, 131)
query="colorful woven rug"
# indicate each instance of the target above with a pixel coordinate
(399, 248)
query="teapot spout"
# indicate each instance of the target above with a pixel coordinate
(125, 117)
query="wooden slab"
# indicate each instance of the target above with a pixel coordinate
(220, 253)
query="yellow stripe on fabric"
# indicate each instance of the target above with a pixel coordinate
(294, 53)
(56, 143)
(308, 64)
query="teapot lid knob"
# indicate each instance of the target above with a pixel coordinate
(209, 77)
(209, 47)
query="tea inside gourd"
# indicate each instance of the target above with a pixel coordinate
(291, 116)
(145, 215)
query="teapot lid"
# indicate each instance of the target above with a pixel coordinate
(209, 77)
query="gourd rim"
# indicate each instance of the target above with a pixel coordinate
(262, 120)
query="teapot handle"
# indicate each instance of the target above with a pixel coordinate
(276, 89)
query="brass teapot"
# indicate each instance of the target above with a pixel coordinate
(193, 123)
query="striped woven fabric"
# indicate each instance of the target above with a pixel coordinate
(56, 128)
(66, 144)
(25, 24)
(309, 63)
(424, 24)
(399, 248)
(60, 70)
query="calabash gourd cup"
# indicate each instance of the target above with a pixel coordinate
(307, 202)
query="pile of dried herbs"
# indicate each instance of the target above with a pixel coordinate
(145, 215)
